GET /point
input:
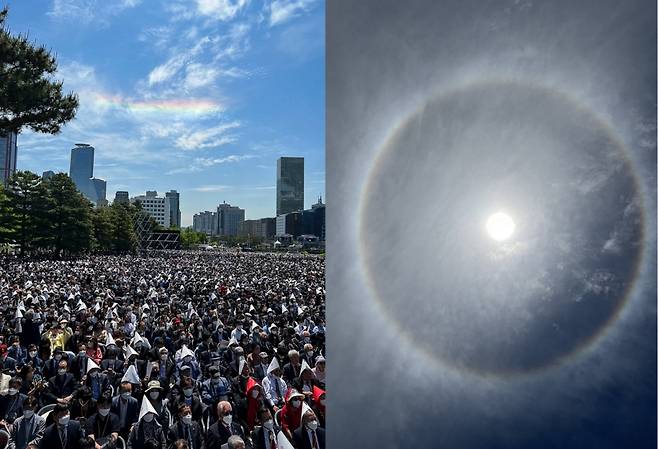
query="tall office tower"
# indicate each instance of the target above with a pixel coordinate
(8, 153)
(289, 184)
(205, 222)
(100, 187)
(229, 219)
(121, 197)
(82, 165)
(174, 207)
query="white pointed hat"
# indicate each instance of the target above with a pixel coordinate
(305, 409)
(252, 308)
(185, 351)
(300, 310)
(131, 375)
(109, 340)
(282, 441)
(136, 338)
(97, 307)
(243, 362)
(284, 309)
(274, 364)
(304, 367)
(128, 351)
(91, 365)
(19, 314)
(146, 408)
(254, 325)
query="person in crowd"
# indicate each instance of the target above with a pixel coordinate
(265, 435)
(62, 385)
(103, 425)
(309, 435)
(63, 433)
(11, 405)
(126, 408)
(185, 428)
(147, 428)
(274, 386)
(225, 427)
(27, 429)
(291, 413)
(292, 369)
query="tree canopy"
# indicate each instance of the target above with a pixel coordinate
(29, 95)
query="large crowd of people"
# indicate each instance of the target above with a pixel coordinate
(171, 350)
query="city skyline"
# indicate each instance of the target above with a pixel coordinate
(209, 97)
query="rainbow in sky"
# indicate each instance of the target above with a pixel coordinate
(176, 106)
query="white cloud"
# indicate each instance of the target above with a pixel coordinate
(211, 188)
(220, 9)
(199, 75)
(207, 137)
(88, 11)
(167, 70)
(283, 10)
(202, 163)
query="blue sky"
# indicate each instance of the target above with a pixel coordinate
(201, 96)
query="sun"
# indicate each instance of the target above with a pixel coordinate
(500, 226)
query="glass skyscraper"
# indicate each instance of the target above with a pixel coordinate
(82, 173)
(8, 150)
(289, 184)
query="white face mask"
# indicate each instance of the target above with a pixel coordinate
(254, 394)
(28, 414)
(269, 424)
(295, 403)
(64, 420)
(61, 371)
(215, 380)
(154, 394)
(228, 419)
(104, 411)
(58, 357)
(312, 425)
(33, 354)
(12, 391)
(188, 392)
(187, 419)
(309, 353)
(148, 417)
(163, 357)
(94, 374)
(125, 395)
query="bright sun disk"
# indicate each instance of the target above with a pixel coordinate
(500, 226)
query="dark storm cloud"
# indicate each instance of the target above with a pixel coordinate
(384, 59)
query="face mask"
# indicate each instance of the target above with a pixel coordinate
(295, 403)
(104, 411)
(94, 374)
(220, 330)
(239, 327)
(309, 353)
(188, 392)
(61, 371)
(148, 417)
(254, 394)
(312, 425)
(64, 420)
(154, 395)
(215, 380)
(125, 395)
(81, 353)
(187, 419)
(12, 391)
(163, 357)
(58, 357)
(33, 354)
(269, 424)
(28, 414)
(228, 419)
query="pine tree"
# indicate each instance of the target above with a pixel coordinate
(30, 204)
(29, 97)
(103, 223)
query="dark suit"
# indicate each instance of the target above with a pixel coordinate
(79, 366)
(197, 408)
(23, 433)
(102, 427)
(259, 435)
(8, 363)
(290, 373)
(60, 387)
(132, 413)
(302, 441)
(11, 407)
(177, 432)
(51, 438)
(218, 434)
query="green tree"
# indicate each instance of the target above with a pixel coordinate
(190, 238)
(124, 238)
(30, 204)
(29, 96)
(6, 218)
(103, 224)
(70, 215)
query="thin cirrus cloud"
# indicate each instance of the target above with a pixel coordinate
(202, 163)
(283, 10)
(89, 11)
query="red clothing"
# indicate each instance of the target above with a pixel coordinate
(317, 392)
(252, 403)
(291, 417)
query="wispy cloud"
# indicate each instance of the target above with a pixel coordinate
(88, 11)
(202, 163)
(207, 137)
(282, 11)
(220, 9)
(211, 188)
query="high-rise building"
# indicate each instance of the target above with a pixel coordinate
(82, 173)
(205, 222)
(47, 174)
(121, 197)
(8, 153)
(157, 207)
(174, 207)
(229, 219)
(289, 184)
(263, 227)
